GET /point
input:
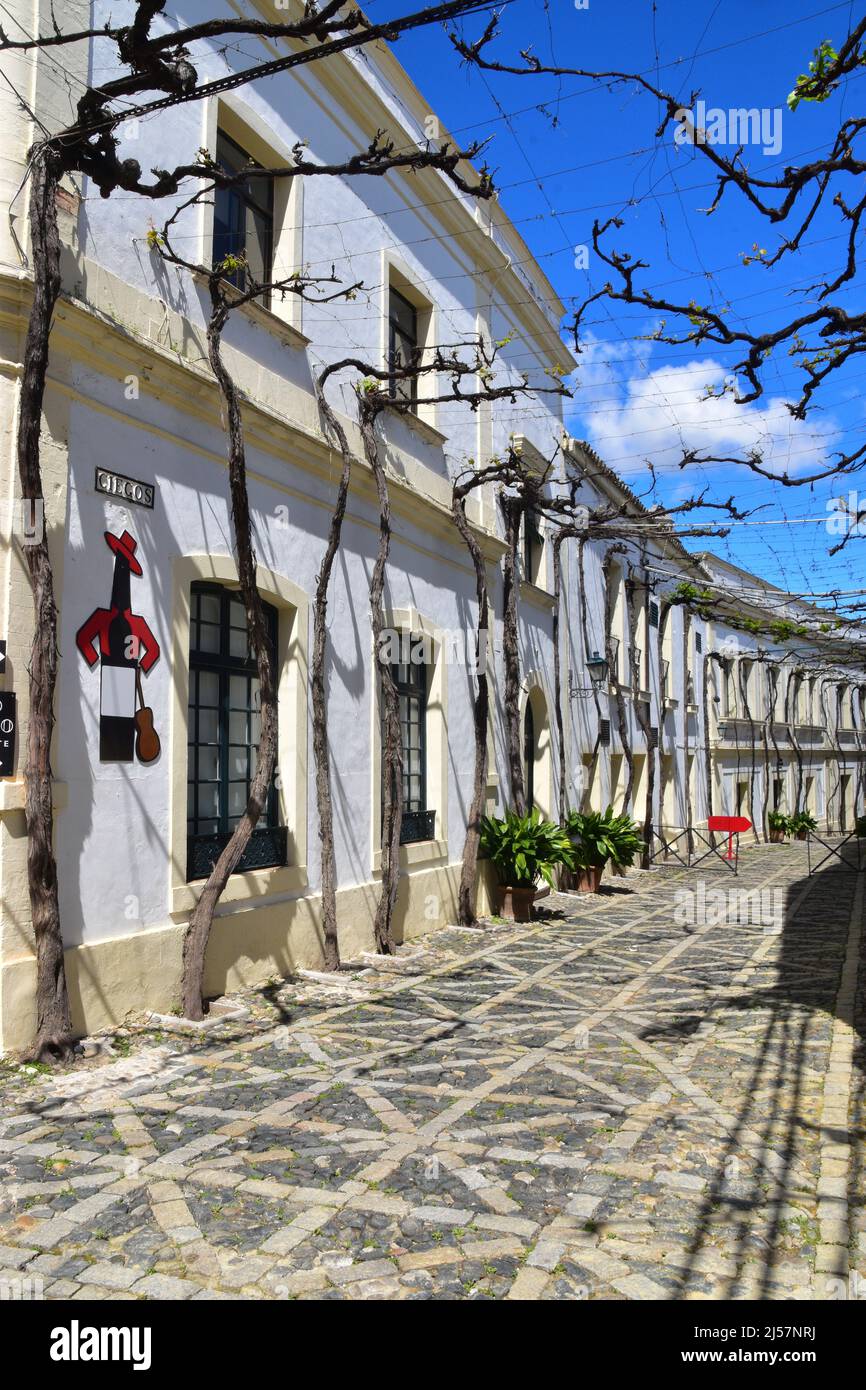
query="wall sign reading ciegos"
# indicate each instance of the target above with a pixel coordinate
(124, 489)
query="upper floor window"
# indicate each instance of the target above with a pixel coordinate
(243, 223)
(403, 345)
(729, 692)
(223, 734)
(615, 604)
(533, 548)
(746, 686)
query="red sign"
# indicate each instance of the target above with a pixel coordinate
(730, 826)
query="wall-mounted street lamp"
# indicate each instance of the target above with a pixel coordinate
(596, 665)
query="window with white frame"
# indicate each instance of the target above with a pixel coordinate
(243, 221)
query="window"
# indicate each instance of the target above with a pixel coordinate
(745, 686)
(729, 695)
(402, 345)
(616, 610)
(533, 545)
(244, 217)
(419, 823)
(223, 734)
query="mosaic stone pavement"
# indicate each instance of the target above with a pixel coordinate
(610, 1103)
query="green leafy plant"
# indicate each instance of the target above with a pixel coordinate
(802, 821)
(814, 86)
(777, 820)
(524, 848)
(860, 826)
(600, 837)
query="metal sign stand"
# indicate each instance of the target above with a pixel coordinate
(729, 854)
(834, 851)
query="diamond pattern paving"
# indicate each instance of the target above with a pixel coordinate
(602, 1104)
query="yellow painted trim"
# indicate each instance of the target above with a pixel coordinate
(114, 977)
(13, 791)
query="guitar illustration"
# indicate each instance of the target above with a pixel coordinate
(146, 738)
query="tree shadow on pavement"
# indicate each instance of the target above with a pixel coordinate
(770, 1161)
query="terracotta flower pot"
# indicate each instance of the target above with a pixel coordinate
(801, 834)
(777, 837)
(589, 880)
(514, 904)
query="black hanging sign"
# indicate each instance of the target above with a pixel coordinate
(8, 725)
(124, 489)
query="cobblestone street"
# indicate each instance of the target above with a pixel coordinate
(608, 1103)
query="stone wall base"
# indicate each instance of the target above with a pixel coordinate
(111, 978)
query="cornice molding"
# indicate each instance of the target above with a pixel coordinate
(80, 334)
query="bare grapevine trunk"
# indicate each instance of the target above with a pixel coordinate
(621, 719)
(198, 931)
(708, 761)
(557, 676)
(480, 716)
(651, 738)
(791, 716)
(512, 509)
(321, 746)
(585, 800)
(690, 809)
(392, 747)
(753, 764)
(53, 1025)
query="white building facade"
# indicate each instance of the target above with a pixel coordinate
(136, 494)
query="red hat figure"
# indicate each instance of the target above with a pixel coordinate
(126, 647)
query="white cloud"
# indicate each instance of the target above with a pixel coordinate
(630, 412)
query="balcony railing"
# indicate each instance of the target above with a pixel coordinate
(664, 676)
(416, 826)
(266, 848)
(613, 643)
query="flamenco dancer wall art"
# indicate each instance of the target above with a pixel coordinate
(124, 645)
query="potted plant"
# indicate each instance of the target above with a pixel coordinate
(598, 838)
(801, 823)
(523, 850)
(779, 825)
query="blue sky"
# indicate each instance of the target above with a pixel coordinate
(565, 153)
